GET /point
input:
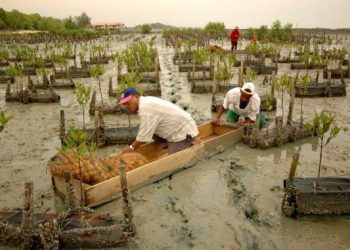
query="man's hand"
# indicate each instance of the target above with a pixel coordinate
(244, 122)
(127, 149)
(216, 121)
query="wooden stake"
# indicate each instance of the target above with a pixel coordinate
(279, 132)
(129, 228)
(27, 227)
(349, 65)
(62, 126)
(293, 167)
(240, 72)
(71, 198)
(273, 76)
(291, 101)
(110, 87)
(97, 127)
(328, 85)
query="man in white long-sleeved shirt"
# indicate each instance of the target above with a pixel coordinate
(243, 102)
(161, 121)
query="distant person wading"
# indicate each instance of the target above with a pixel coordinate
(234, 37)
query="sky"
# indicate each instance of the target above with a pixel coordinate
(196, 13)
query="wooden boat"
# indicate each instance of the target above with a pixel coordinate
(214, 139)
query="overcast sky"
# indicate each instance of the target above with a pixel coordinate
(196, 13)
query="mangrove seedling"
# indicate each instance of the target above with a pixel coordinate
(304, 82)
(283, 85)
(200, 56)
(97, 72)
(76, 146)
(129, 80)
(4, 120)
(249, 76)
(82, 94)
(13, 72)
(321, 126)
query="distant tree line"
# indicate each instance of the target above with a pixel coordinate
(16, 20)
(276, 33)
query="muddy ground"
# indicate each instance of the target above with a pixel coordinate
(230, 201)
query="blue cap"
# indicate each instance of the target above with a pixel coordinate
(127, 94)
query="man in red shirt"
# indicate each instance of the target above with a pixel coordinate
(234, 38)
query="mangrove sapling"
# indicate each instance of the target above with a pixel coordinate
(321, 126)
(97, 72)
(305, 58)
(76, 146)
(291, 99)
(4, 55)
(13, 72)
(4, 120)
(201, 56)
(82, 54)
(82, 94)
(249, 76)
(63, 63)
(42, 70)
(284, 84)
(268, 106)
(304, 82)
(118, 60)
(223, 72)
(129, 80)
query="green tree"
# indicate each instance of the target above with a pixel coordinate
(216, 30)
(69, 23)
(83, 20)
(146, 28)
(321, 126)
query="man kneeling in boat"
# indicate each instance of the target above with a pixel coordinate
(241, 102)
(161, 121)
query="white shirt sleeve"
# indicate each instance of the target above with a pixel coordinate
(148, 124)
(255, 109)
(227, 100)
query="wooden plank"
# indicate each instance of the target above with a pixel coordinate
(60, 187)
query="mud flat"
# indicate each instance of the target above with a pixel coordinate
(230, 201)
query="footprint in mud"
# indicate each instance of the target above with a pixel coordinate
(17, 171)
(186, 233)
(183, 105)
(173, 100)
